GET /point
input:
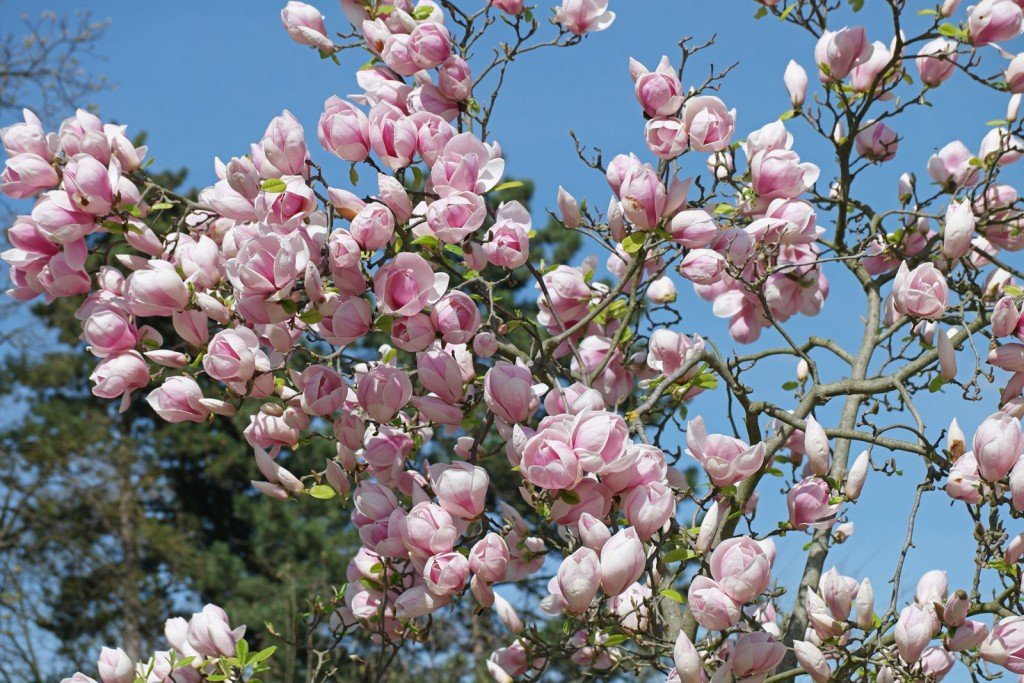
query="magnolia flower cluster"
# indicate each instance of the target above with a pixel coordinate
(197, 647)
(261, 292)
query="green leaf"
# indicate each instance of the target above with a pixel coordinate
(761, 12)
(785, 12)
(1013, 290)
(131, 209)
(617, 639)
(427, 240)
(242, 650)
(160, 206)
(927, 13)
(421, 12)
(510, 185)
(949, 30)
(936, 384)
(679, 555)
(632, 243)
(787, 115)
(527, 14)
(417, 176)
(322, 491)
(263, 654)
(672, 594)
(570, 497)
(311, 317)
(274, 185)
(353, 175)
(790, 385)
(723, 209)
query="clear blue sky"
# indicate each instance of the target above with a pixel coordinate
(203, 79)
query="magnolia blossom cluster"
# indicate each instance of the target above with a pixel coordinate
(197, 647)
(841, 605)
(262, 291)
(756, 260)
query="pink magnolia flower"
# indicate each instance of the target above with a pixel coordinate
(178, 399)
(648, 507)
(808, 504)
(429, 44)
(994, 21)
(210, 634)
(742, 568)
(998, 444)
(622, 561)
(565, 298)
(1004, 645)
(877, 141)
(711, 607)
(90, 184)
(726, 460)
(156, 290)
(921, 293)
(27, 174)
(666, 137)
(323, 390)
(407, 284)
(509, 392)
(115, 666)
(755, 654)
(446, 573)
(427, 530)
(778, 173)
(460, 488)
(282, 151)
(964, 483)
(708, 122)
(578, 579)
(454, 78)
(914, 629)
(120, 374)
(599, 439)
(795, 80)
(508, 241)
(439, 373)
(28, 137)
(382, 391)
(659, 92)
(489, 558)
(549, 461)
(305, 25)
(584, 16)
(838, 52)
(456, 317)
(344, 130)
(393, 135)
(951, 167)
(108, 331)
(936, 61)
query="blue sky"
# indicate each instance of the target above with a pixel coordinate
(203, 79)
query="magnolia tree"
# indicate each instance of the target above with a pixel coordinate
(272, 278)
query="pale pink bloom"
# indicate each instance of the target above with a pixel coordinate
(305, 25)
(920, 293)
(725, 459)
(407, 284)
(837, 53)
(178, 399)
(584, 16)
(708, 122)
